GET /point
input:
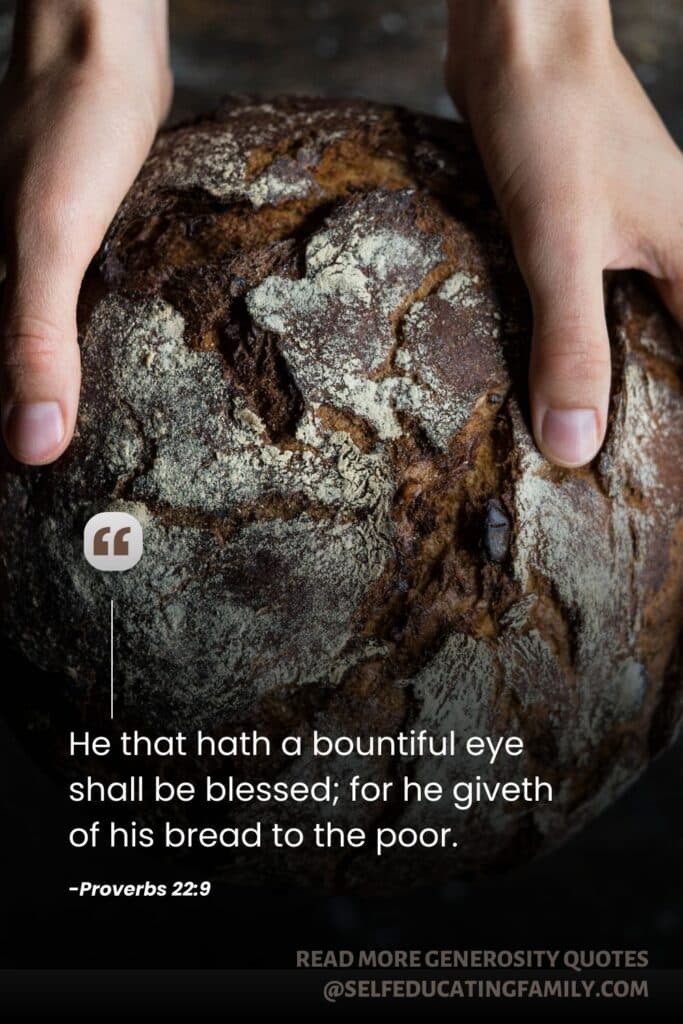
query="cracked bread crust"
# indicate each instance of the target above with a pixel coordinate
(304, 349)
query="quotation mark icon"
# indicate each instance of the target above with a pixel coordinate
(112, 541)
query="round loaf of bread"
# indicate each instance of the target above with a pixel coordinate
(305, 345)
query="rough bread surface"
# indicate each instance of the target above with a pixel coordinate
(304, 351)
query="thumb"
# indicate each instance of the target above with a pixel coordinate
(40, 359)
(569, 373)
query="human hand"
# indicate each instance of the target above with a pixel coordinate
(86, 89)
(587, 179)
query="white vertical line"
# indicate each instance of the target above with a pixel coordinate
(111, 659)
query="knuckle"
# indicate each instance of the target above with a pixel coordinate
(579, 362)
(30, 346)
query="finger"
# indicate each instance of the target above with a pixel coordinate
(569, 373)
(75, 180)
(40, 378)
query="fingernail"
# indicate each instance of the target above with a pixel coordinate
(570, 435)
(34, 429)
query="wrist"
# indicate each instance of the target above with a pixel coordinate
(487, 38)
(97, 37)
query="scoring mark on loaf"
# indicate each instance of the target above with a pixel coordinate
(224, 156)
(336, 324)
(210, 450)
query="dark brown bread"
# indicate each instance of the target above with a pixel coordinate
(304, 350)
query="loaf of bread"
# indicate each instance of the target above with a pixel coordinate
(305, 345)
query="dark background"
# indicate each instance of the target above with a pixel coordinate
(616, 885)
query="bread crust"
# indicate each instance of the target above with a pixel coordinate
(304, 349)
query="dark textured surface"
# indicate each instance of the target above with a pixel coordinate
(323, 569)
(618, 883)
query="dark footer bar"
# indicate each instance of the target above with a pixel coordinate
(304, 992)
